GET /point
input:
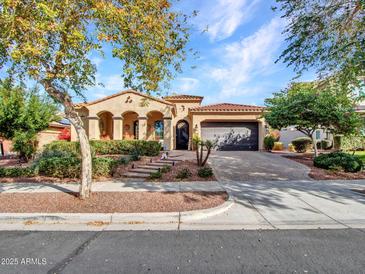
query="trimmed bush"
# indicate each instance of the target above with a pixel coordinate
(183, 173)
(18, 172)
(70, 167)
(72, 148)
(103, 167)
(301, 144)
(278, 146)
(165, 169)
(339, 161)
(269, 142)
(205, 172)
(103, 147)
(60, 167)
(156, 175)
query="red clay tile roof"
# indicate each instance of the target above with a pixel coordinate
(183, 97)
(228, 107)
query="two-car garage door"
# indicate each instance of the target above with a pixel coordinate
(232, 135)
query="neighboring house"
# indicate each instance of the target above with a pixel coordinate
(289, 133)
(44, 137)
(172, 120)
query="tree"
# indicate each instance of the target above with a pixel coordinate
(199, 147)
(310, 108)
(22, 115)
(52, 42)
(326, 35)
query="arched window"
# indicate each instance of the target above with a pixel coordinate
(158, 130)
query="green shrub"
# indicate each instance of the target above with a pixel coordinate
(353, 143)
(183, 173)
(156, 175)
(25, 144)
(205, 172)
(18, 172)
(60, 167)
(269, 142)
(70, 167)
(301, 144)
(123, 161)
(62, 147)
(103, 147)
(103, 167)
(165, 169)
(339, 161)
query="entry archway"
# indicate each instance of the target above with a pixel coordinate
(182, 134)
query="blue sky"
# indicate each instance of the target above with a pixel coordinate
(237, 54)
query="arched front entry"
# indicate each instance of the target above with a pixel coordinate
(182, 135)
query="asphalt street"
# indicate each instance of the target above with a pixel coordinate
(275, 251)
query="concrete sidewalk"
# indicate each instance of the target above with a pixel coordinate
(253, 205)
(112, 186)
(290, 205)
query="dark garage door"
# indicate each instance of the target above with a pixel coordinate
(232, 135)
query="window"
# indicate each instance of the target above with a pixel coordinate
(135, 130)
(158, 130)
(318, 134)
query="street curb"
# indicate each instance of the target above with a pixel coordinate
(112, 218)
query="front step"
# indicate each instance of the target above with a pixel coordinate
(136, 175)
(159, 164)
(152, 168)
(143, 170)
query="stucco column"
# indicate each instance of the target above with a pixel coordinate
(262, 133)
(167, 136)
(117, 128)
(94, 131)
(142, 128)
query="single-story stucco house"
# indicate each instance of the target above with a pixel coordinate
(172, 120)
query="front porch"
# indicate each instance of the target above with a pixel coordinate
(130, 125)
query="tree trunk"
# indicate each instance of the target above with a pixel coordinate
(206, 157)
(197, 153)
(71, 114)
(201, 154)
(86, 159)
(314, 142)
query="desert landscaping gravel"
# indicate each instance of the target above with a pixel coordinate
(110, 202)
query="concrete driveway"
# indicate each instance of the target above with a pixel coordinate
(255, 166)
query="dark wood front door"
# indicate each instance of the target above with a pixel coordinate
(182, 135)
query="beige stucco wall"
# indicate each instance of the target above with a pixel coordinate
(129, 107)
(123, 111)
(198, 118)
(182, 113)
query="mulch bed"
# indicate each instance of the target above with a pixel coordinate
(191, 165)
(323, 174)
(110, 202)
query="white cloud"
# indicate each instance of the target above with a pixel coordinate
(223, 17)
(111, 84)
(251, 57)
(97, 61)
(187, 85)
